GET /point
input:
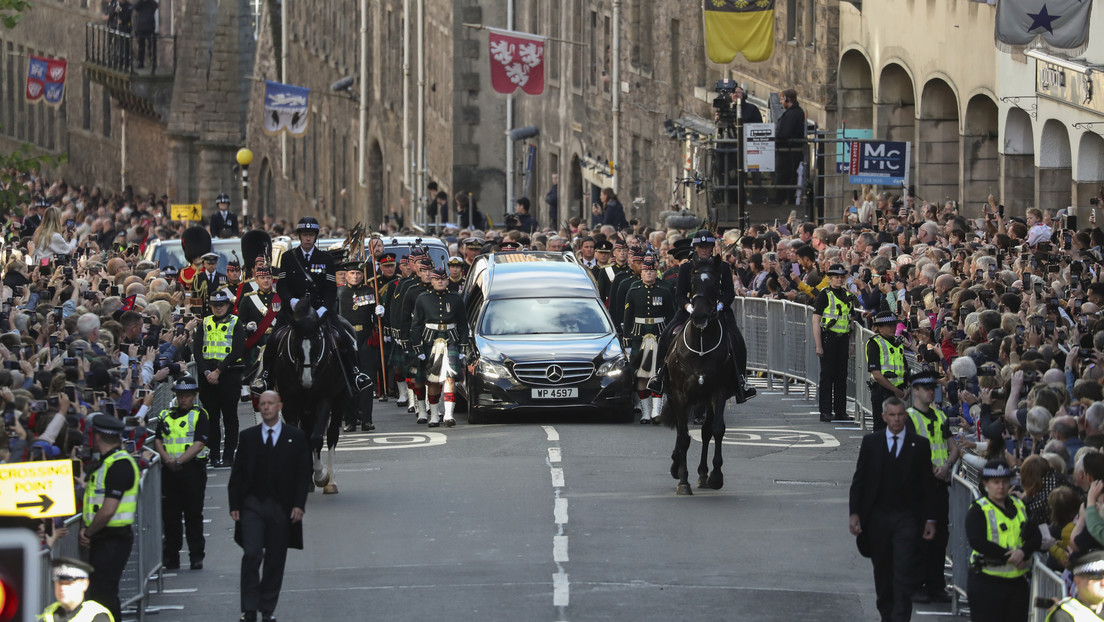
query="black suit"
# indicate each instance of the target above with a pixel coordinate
(893, 498)
(265, 484)
(298, 276)
(220, 222)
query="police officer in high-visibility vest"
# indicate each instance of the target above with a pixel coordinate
(1088, 604)
(930, 422)
(832, 311)
(219, 345)
(110, 504)
(885, 359)
(1002, 542)
(180, 438)
(70, 584)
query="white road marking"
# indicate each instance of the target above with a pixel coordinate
(557, 477)
(554, 455)
(553, 435)
(395, 440)
(775, 437)
(561, 593)
(559, 549)
(559, 512)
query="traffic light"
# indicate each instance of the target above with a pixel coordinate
(20, 569)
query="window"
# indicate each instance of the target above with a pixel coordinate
(810, 23)
(607, 56)
(578, 52)
(791, 20)
(86, 102)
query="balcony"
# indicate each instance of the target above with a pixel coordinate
(138, 71)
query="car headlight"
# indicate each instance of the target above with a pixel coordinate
(487, 369)
(613, 367)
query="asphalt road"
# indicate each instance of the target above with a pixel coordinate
(559, 520)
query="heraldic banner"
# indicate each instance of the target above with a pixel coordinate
(517, 60)
(735, 26)
(286, 109)
(45, 80)
(1062, 24)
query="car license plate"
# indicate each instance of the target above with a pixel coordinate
(552, 394)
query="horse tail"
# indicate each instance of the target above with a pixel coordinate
(667, 415)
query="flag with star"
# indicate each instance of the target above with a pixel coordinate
(1062, 24)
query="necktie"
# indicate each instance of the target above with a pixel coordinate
(270, 443)
(892, 450)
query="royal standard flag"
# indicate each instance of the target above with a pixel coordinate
(735, 26)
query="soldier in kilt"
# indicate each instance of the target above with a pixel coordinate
(439, 336)
(649, 305)
(415, 372)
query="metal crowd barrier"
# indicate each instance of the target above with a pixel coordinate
(1045, 584)
(963, 492)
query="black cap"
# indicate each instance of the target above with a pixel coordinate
(219, 298)
(455, 261)
(439, 273)
(885, 318)
(1089, 563)
(351, 265)
(703, 238)
(185, 384)
(68, 569)
(509, 245)
(926, 377)
(107, 425)
(222, 198)
(308, 224)
(837, 269)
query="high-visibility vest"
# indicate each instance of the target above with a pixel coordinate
(177, 432)
(930, 430)
(86, 612)
(218, 337)
(892, 358)
(1076, 610)
(94, 493)
(1004, 532)
(837, 315)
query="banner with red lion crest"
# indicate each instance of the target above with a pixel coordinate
(517, 60)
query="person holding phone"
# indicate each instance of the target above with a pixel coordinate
(50, 238)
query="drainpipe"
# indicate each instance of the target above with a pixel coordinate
(406, 102)
(364, 94)
(616, 92)
(509, 125)
(420, 164)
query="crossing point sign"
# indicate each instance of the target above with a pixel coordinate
(879, 162)
(188, 212)
(37, 489)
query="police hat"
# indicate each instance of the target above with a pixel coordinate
(308, 224)
(509, 245)
(106, 424)
(219, 298)
(387, 259)
(1089, 563)
(837, 269)
(475, 243)
(925, 378)
(351, 265)
(605, 246)
(185, 384)
(996, 469)
(68, 569)
(703, 238)
(222, 198)
(212, 256)
(455, 261)
(885, 318)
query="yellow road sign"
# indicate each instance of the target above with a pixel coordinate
(181, 211)
(37, 489)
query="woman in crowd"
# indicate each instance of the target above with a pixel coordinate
(49, 239)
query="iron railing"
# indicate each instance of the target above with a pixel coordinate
(129, 53)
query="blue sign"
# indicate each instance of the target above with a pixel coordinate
(879, 162)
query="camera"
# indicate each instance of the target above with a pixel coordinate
(722, 103)
(70, 361)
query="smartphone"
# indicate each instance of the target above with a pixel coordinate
(28, 352)
(53, 340)
(114, 289)
(38, 406)
(977, 274)
(1048, 326)
(141, 394)
(70, 361)
(98, 397)
(130, 446)
(11, 364)
(78, 352)
(795, 270)
(1038, 289)
(108, 408)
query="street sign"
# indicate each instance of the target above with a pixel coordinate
(879, 162)
(37, 489)
(759, 147)
(181, 211)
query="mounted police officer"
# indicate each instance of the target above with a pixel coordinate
(885, 356)
(704, 243)
(71, 580)
(439, 337)
(357, 303)
(832, 312)
(649, 306)
(180, 438)
(310, 273)
(110, 505)
(220, 344)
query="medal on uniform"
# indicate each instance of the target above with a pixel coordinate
(448, 307)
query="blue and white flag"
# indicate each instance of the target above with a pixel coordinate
(1062, 24)
(287, 109)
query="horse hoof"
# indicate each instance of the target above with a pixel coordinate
(716, 480)
(703, 482)
(321, 480)
(329, 489)
(684, 489)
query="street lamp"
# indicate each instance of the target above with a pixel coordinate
(245, 158)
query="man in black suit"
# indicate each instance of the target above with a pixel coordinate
(223, 218)
(789, 136)
(891, 504)
(268, 490)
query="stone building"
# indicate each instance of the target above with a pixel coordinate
(168, 127)
(345, 171)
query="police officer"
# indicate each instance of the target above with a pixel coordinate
(180, 438)
(832, 335)
(885, 357)
(223, 218)
(415, 369)
(110, 503)
(71, 579)
(456, 274)
(1002, 542)
(220, 343)
(931, 423)
(1088, 604)
(439, 337)
(649, 305)
(357, 303)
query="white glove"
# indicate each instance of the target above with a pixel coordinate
(321, 311)
(689, 308)
(380, 310)
(386, 339)
(720, 306)
(628, 351)
(294, 301)
(462, 357)
(421, 357)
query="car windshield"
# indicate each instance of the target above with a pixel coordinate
(544, 316)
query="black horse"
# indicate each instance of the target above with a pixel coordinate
(699, 379)
(308, 376)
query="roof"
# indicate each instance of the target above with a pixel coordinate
(537, 279)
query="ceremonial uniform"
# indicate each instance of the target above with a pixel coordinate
(439, 336)
(648, 308)
(397, 355)
(220, 344)
(606, 276)
(357, 304)
(619, 288)
(834, 306)
(183, 477)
